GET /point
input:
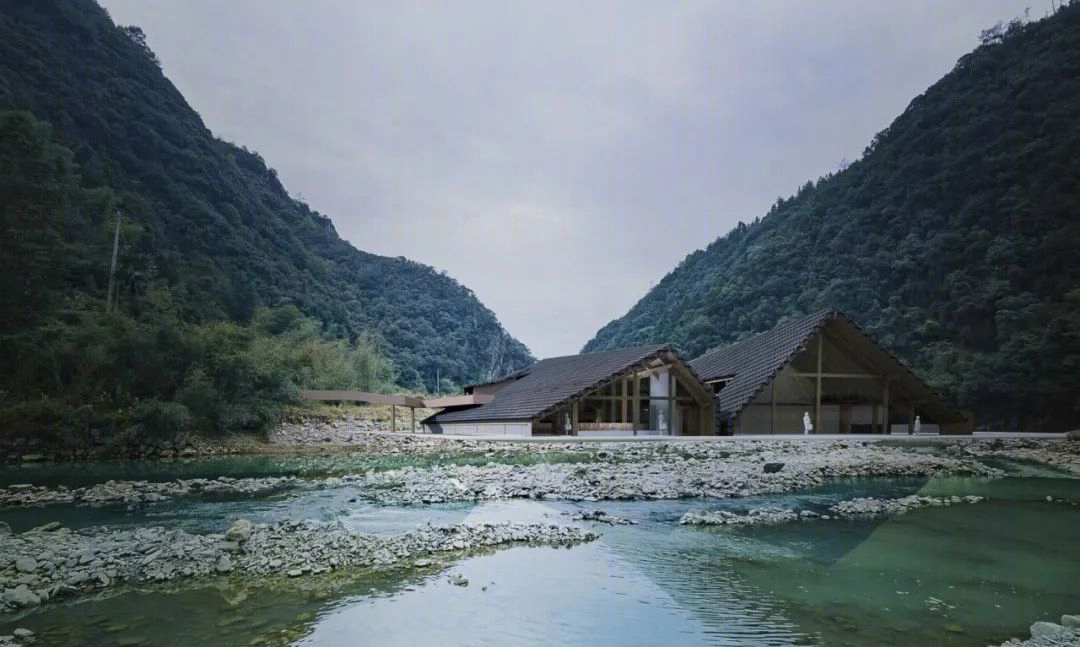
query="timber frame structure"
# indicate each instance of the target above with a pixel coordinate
(825, 366)
(647, 390)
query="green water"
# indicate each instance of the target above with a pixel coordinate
(957, 575)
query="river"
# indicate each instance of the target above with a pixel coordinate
(959, 575)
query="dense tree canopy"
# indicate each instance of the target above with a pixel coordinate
(202, 219)
(954, 239)
(230, 294)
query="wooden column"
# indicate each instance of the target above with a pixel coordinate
(817, 390)
(670, 403)
(393, 418)
(885, 406)
(772, 405)
(911, 418)
(625, 399)
(636, 413)
(574, 419)
(412, 419)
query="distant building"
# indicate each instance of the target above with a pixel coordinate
(826, 365)
(633, 391)
(822, 365)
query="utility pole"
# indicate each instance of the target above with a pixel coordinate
(438, 384)
(112, 268)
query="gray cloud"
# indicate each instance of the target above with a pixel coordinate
(557, 158)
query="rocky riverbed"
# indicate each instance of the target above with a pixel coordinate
(600, 471)
(1051, 634)
(665, 472)
(850, 509)
(1062, 454)
(55, 563)
(869, 507)
(755, 517)
(141, 491)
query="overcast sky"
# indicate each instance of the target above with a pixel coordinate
(558, 158)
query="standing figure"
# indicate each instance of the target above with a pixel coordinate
(806, 424)
(918, 424)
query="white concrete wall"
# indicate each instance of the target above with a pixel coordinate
(488, 428)
(658, 388)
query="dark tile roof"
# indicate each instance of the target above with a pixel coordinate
(752, 362)
(468, 388)
(550, 383)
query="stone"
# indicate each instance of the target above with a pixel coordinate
(22, 633)
(5, 529)
(32, 458)
(224, 564)
(1043, 629)
(1073, 435)
(240, 531)
(21, 596)
(421, 563)
(773, 468)
(295, 572)
(26, 564)
(457, 579)
(1072, 622)
(52, 526)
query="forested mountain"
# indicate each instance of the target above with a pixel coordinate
(955, 239)
(230, 294)
(203, 219)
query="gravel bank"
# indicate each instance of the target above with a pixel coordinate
(869, 507)
(607, 471)
(43, 565)
(850, 509)
(141, 491)
(665, 472)
(1062, 454)
(1050, 634)
(756, 517)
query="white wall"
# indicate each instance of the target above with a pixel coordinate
(658, 388)
(487, 428)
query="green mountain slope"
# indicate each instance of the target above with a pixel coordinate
(955, 239)
(204, 220)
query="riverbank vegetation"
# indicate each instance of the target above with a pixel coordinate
(74, 366)
(228, 292)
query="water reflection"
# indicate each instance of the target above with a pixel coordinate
(961, 575)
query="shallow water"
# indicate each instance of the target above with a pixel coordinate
(956, 575)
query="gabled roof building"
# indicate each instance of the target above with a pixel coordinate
(625, 392)
(821, 369)
(825, 368)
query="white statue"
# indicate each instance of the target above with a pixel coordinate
(661, 422)
(566, 424)
(807, 426)
(918, 424)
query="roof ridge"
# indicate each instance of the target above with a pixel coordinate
(608, 350)
(824, 313)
